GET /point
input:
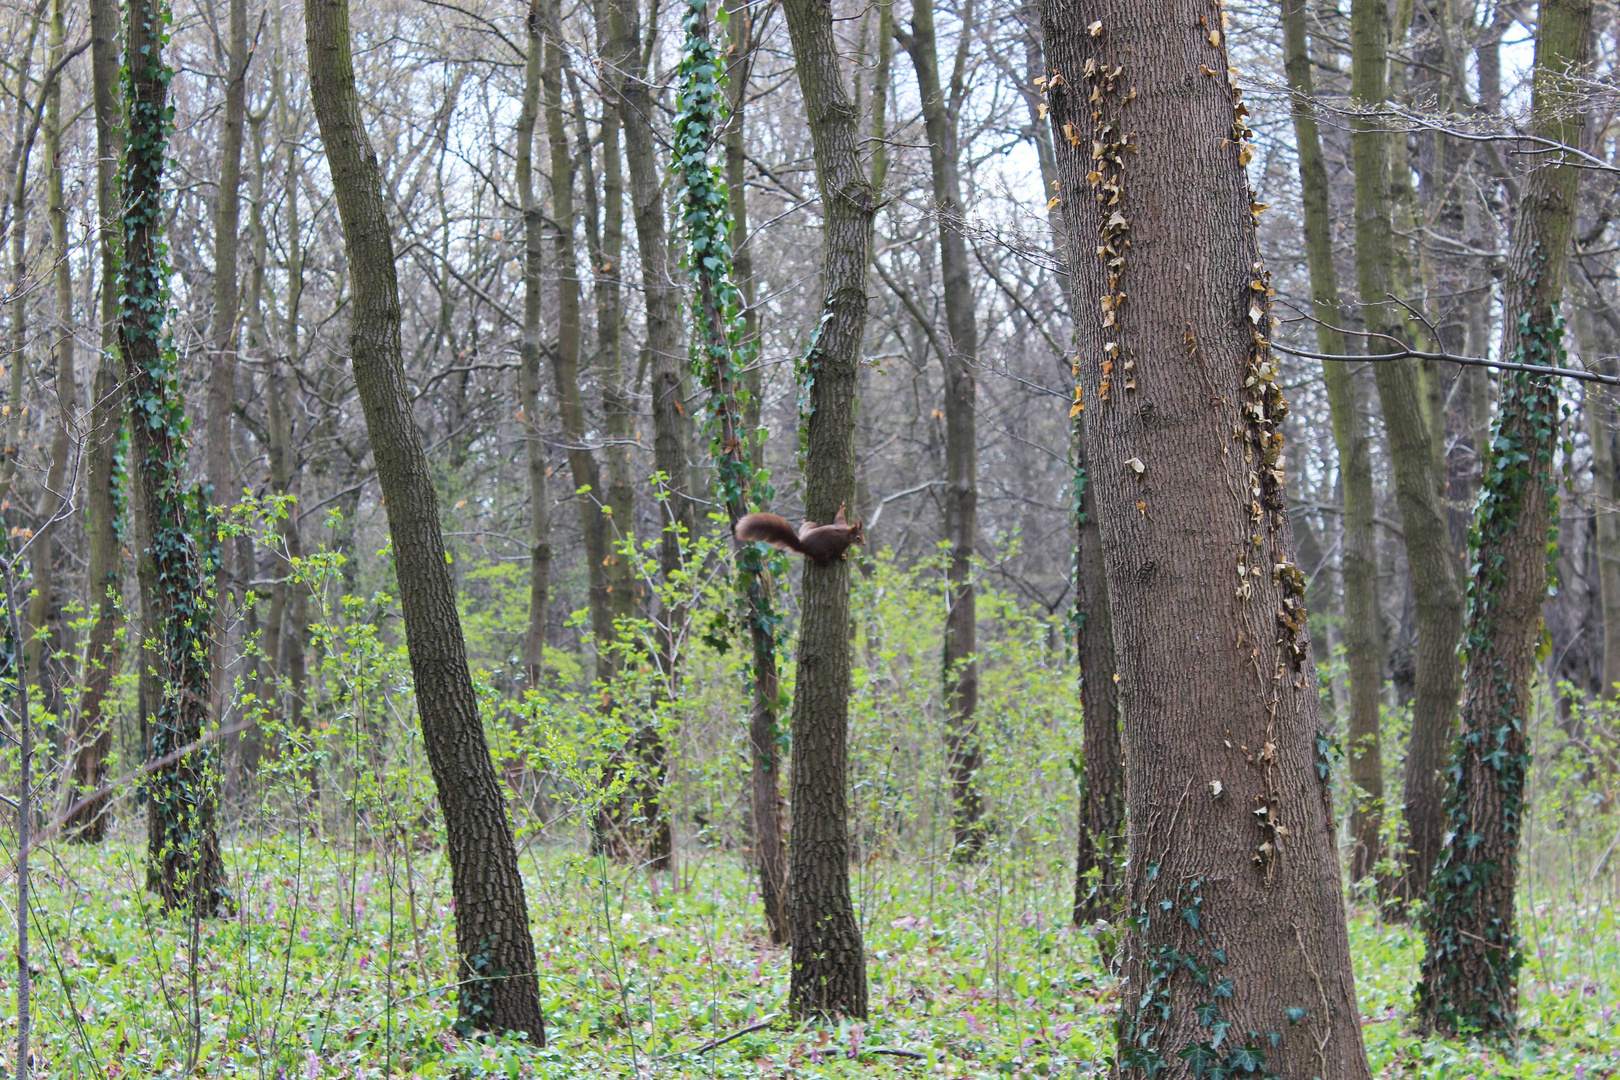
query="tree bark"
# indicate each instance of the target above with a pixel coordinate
(534, 639)
(1419, 470)
(960, 665)
(1363, 630)
(92, 736)
(1470, 966)
(1235, 945)
(499, 989)
(184, 866)
(829, 964)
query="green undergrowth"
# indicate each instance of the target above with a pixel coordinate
(337, 965)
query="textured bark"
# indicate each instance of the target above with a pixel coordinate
(764, 723)
(1470, 966)
(1363, 631)
(960, 665)
(643, 828)
(534, 639)
(1418, 468)
(184, 866)
(1232, 873)
(829, 964)
(92, 736)
(496, 970)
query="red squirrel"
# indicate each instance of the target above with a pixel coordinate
(819, 543)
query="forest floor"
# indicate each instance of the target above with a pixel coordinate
(337, 965)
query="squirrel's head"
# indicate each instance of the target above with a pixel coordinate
(857, 534)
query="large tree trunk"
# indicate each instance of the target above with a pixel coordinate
(1235, 950)
(1471, 963)
(534, 639)
(498, 986)
(961, 667)
(1419, 469)
(829, 963)
(764, 723)
(1363, 629)
(92, 737)
(184, 867)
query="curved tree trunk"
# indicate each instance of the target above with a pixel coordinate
(1471, 963)
(1419, 470)
(1363, 629)
(496, 974)
(1235, 944)
(829, 964)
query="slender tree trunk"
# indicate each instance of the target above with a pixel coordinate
(582, 465)
(1419, 471)
(54, 498)
(1363, 630)
(764, 721)
(92, 737)
(534, 640)
(227, 304)
(1235, 948)
(645, 825)
(185, 868)
(21, 147)
(829, 964)
(496, 974)
(1597, 408)
(1470, 966)
(961, 667)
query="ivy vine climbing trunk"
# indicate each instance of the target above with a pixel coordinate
(1419, 470)
(961, 667)
(1470, 974)
(723, 350)
(496, 975)
(1234, 938)
(829, 961)
(103, 497)
(534, 638)
(1347, 405)
(184, 866)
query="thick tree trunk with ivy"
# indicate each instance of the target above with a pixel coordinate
(829, 962)
(184, 865)
(1234, 936)
(1419, 471)
(92, 735)
(1363, 630)
(534, 639)
(1471, 963)
(961, 668)
(496, 975)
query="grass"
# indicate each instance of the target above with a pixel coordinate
(338, 962)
